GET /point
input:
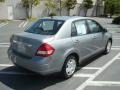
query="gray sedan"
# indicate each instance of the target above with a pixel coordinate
(58, 44)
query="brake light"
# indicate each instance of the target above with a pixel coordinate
(45, 50)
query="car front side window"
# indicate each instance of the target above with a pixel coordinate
(93, 26)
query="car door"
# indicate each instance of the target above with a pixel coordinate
(98, 35)
(81, 38)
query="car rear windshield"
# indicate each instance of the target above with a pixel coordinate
(46, 27)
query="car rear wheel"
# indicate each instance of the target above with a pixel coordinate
(69, 67)
(108, 47)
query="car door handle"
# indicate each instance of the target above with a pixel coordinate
(95, 37)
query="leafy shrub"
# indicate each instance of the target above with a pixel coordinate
(52, 14)
(116, 20)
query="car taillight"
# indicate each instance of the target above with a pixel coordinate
(45, 50)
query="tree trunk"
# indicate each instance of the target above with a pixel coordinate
(111, 14)
(30, 10)
(60, 8)
(97, 7)
(105, 11)
(68, 12)
(27, 12)
(86, 12)
(48, 11)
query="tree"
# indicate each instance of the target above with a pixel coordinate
(112, 7)
(60, 5)
(117, 6)
(51, 6)
(2, 0)
(28, 4)
(69, 4)
(87, 4)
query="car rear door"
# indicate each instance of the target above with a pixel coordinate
(81, 38)
(98, 35)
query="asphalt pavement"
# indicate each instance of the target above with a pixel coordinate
(99, 73)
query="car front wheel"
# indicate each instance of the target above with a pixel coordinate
(108, 47)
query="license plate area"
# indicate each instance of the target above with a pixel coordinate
(21, 48)
(13, 58)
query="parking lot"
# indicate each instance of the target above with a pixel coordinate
(99, 73)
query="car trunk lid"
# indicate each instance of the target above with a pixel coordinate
(28, 43)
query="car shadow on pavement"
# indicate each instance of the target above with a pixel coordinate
(27, 82)
(33, 81)
(89, 60)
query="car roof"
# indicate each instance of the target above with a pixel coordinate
(65, 18)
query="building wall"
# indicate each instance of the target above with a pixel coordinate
(94, 11)
(41, 11)
(3, 11)
(18, 10)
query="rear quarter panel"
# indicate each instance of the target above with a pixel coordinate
(63, 45)
(63, 48)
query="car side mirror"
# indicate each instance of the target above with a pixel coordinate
(105, 30)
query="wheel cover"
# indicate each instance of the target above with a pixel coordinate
(108, 47)
(70, 67)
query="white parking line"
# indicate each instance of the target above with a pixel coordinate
(114, 28)
(83, 75)
(20, 25)
(104, 83)
(25, 23)
(4, 46)
(4, 43)
(116, 46)
(116, 49)
(91, 68)
(86, 83)
(3, 24)
(116, 38)
(112, 32)
(6, 65)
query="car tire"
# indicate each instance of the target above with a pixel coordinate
(108, 47)
(17, 66)
(69, 67)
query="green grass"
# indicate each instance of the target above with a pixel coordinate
(33, 19)
(4, 20)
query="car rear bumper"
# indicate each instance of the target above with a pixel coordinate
(36, 64)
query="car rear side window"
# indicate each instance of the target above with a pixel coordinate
(79, 27)
(46, 27)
